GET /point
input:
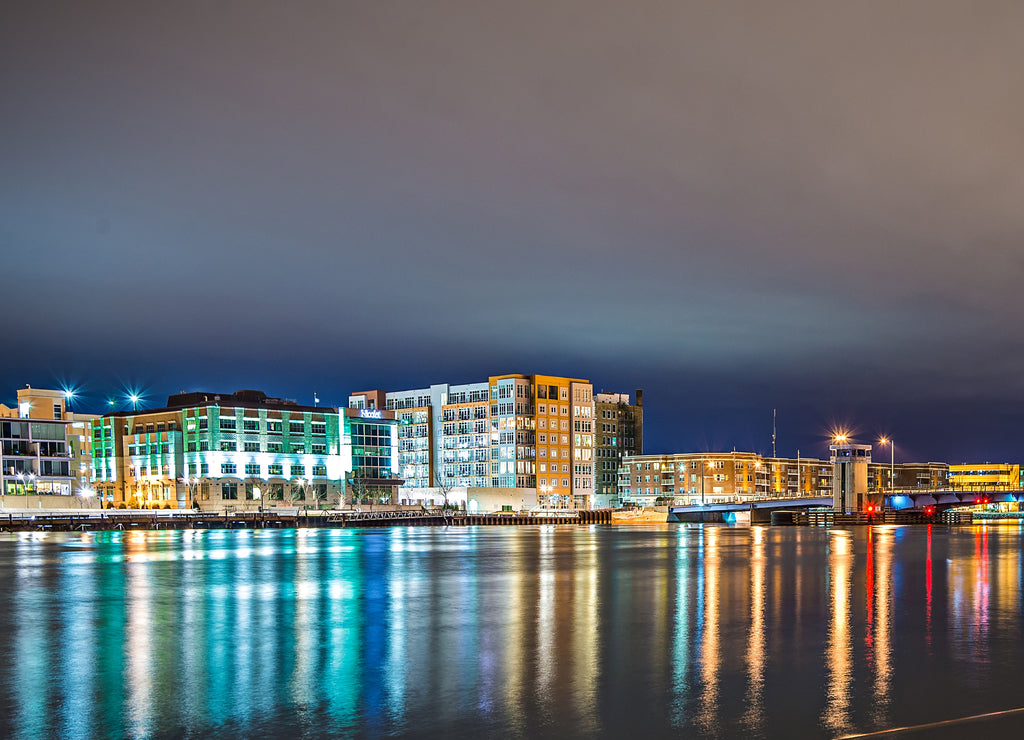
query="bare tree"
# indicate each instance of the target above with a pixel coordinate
(319, 494)
(444, 485)
(357, 484)
(257, 489)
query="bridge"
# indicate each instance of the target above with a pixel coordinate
(759, 510)
(909, 499)
(945, 498)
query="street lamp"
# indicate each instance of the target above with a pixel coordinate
(190, 483)
(134, 398)
(27, 481)
(87, 493)
(892, 462)
(703, 475)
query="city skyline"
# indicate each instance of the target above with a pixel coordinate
(128, 399)
(780, 208)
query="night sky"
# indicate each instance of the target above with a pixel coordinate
(810, 206)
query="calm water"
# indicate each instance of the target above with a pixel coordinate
(511, 631)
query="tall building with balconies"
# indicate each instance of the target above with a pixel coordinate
(44, 448)
(618, 432)
(513, 431)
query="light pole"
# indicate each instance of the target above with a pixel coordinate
(892, 462)
(27, 481)
(703, 475)
(190, 483)
(87, 493)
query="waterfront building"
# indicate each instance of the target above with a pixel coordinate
(512, 431)
(618, 432)
(241, 449)
(44, 448)
(799, 476)
(984, 475)
(719, 477)
(929, 475)
(368, 446)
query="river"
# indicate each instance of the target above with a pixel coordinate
(546, 631)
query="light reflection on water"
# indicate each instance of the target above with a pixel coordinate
(523, 631)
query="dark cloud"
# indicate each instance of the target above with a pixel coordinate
(803, 205)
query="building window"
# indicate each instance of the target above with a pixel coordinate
(320, 470)
(274, 447)
(204, 469)
(252, 469)
(297, 471)
(229, 490)
(250, 425)
(228, 446)
(275, 469)
(227, 424)
(319, 449)
(295, 427)
(252, 446)
(228, 469)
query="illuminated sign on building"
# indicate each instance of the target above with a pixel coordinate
(370, 413)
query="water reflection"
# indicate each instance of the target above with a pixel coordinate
(548, 631)
(709, 650)
(756, 643)
(839, 651)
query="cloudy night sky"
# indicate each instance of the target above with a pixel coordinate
(808, 206)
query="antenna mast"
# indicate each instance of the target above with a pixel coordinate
(773, 433)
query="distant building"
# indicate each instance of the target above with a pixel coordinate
(618, 432)
(929, 475)
(984, 475)
(512, 431)
(719, 477)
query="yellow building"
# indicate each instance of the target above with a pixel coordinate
(984, 475)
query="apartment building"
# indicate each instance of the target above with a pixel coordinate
(44, 448)
(512, 431)
(884, 476)
(718, 477)
(618, 432)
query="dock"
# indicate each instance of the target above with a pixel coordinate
(127, 520)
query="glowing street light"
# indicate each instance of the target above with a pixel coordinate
(892, 462)
(87, 493)
(134, 398)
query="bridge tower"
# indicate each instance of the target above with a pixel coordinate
(850, 478)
